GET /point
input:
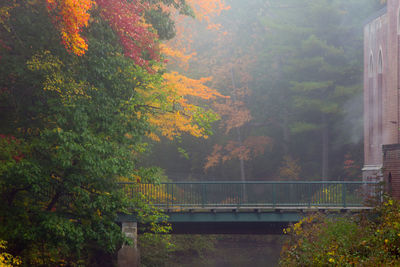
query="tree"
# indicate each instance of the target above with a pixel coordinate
(73, 124)
(314, 50)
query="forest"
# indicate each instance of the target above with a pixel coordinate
(98, 92)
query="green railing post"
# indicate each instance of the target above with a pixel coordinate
(344, 195)
(131, 191)
(167, 196)
(241, 200)
(172, 195)
(273, 195)
(309, 192)
(203, 195)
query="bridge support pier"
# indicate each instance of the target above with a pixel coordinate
(128, 256)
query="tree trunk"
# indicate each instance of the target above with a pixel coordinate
(285, 127)
(325, 149)
(239, 137)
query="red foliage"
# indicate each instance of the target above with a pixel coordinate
(4, 45)
(18, 158)
(11, 145)
(9, 138)
(126, 19)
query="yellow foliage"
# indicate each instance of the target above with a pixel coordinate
(290, 169)
(206, 9)
(328, 194)
(6, 259)
(5, 14)
(155, 193)
(174, 107)
(56, 80)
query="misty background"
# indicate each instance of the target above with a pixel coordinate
(294, 73)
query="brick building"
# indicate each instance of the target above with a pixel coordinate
(382, 97)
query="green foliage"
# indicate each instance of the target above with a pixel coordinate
(310, 68)
(371, 239)
(161, 21)
(71, 127)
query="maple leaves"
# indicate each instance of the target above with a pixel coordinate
(250, 148)
(175, 111)
(235, 113)
(125, 17)
(70, 16)
(136, 36)
(173, 102)
(235, 116)
(180, 48)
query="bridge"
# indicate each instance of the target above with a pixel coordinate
(252, 207)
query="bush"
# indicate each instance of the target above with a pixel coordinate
(369, 239)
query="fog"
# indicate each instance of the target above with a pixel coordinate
(296, 67)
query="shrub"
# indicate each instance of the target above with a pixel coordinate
(369, 239)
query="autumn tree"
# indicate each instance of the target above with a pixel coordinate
(237, 139)
(78, 97)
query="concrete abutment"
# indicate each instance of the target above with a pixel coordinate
(128, 256)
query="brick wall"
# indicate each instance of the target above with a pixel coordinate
(381, 95)
(391, 169)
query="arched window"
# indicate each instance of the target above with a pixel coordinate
(380, 62)
(398, 49)
(371, 106)
(371, 66)
(398, 21)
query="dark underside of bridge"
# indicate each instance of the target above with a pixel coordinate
(228, 228)
(236, 221)
(226, 222)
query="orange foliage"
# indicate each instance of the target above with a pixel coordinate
(177, 55)
(215, 158)
(235, 114)
(70, 16)
(204, 11)
(251, 147)
(185, 86)
(174, 109)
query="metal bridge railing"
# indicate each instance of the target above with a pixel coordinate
(258, 194)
